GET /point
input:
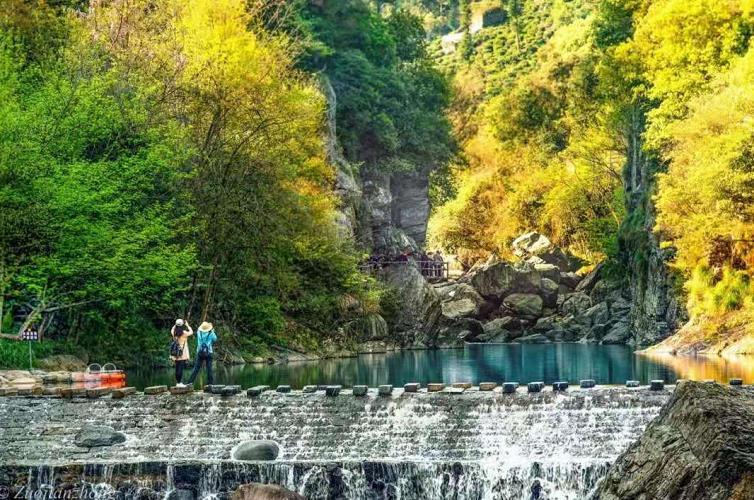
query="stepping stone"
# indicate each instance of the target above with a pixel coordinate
(560, 386)
(487, 386)
(71, 392)
(51, 391)
(284, 389)
(587, 384)
(98, 392)
(123, 392)
(178, 391)
(213, 389)
(157, 389)
(322, 387)
(462, 385)
(736, 382)
(29, 391)
(9, 391)
(535, 386)
(412, 387)
(510, 387)
(455, 390)
(308, 389)
(385, 390)
(657, 385)
(435, 387)
(255, 392)
(333, 390)
(230, 390)
(632, 383)
(360, 390)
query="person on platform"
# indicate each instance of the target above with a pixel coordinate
(179, 351)
(205, 337)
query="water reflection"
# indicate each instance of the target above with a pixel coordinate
(480, 363)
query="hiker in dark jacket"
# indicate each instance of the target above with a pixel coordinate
(205, 337)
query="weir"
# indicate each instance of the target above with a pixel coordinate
(475, 445)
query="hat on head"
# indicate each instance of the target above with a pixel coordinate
(179, 322)
(205, 327)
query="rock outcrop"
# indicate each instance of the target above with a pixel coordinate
(256, 450)
(98, 435)
(417, 320)
(538, 300)
(701, 446)
(256, 491)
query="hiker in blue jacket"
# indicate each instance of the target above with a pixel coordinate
(205, 337)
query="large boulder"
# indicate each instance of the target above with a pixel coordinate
(498, 280)
(569, 280)
(524, 305)
(98, 435)
(419, 311)
(620, 333)
(549, 293)
(538, 249)
(701, 446)
(501, 330)
(463, 301)
(371, 327)
(256, 450)
(590, 280)
(549, 271)
(576, 304)
(257, 491)
(455, 333)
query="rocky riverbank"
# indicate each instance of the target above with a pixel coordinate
(701, 446)
(537, 299)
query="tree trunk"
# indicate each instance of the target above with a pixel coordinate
(210, 289)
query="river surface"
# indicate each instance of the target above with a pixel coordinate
(606, 364)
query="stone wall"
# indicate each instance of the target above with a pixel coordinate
(475, 425)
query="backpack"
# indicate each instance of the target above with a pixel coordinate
(176, 349)
(203, 348)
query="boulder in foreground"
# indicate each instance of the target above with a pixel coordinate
(257, 450)
(701, 446)
(256, 491)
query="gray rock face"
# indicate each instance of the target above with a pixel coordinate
(576, 303)
(701, 446)
(462, 301)
(370, 328)
(536, 338)
(538, 249)
(620, 333)
(421, 309)
(256, 491)
(455, 333)
(180, 494)
(256, 450)
(525, 305)
(410, 207)
(98, 435)
(501, 330)
(500, 279)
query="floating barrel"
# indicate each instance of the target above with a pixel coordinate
(93, 375)
(360, 390)
(736, 382)
(657, 385)
(587, 384)
(332, 390)
(560, 386)
(110, 372)
(632, 383)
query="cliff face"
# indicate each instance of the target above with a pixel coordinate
(381, 212)
(656, 309)
(701, 446)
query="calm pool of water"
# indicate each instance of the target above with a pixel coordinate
(477, 363)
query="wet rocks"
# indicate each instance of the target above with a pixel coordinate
(524, 305)
(700, 446)
(256, 491)
(98, 435)
(538, 249)
(180, 494)
(256, 450)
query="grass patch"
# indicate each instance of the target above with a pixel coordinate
(15, 354)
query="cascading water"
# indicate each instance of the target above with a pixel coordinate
(473, 446)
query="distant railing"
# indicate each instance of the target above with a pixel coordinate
(428, 269)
